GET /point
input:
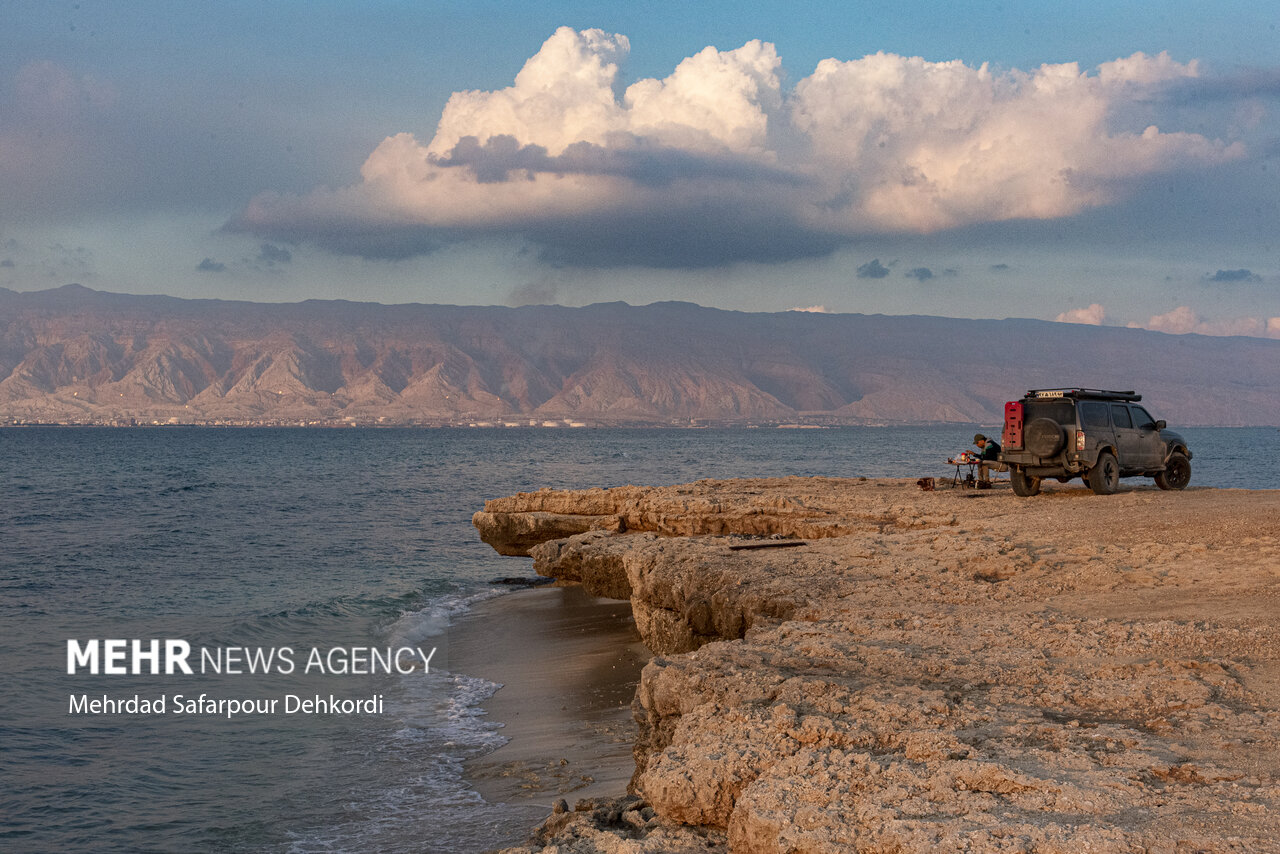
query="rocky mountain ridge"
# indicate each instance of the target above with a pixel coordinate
(76, 355)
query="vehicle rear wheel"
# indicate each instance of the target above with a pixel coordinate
(1043, 437)
(1104, 477)
(1176, 474)
(1023, 484)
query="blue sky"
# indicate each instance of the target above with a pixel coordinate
(903, 158)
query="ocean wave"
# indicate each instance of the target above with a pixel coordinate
(413, 627)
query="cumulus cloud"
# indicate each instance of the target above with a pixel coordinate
(1183, 320)
(208, 265)
(1093, 315)
(1231, 276)
(633, 158)
(717, 163)
(873, 269)
(920, 274)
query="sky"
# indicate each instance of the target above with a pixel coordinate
(1095, 162)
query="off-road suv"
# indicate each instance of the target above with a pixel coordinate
(1097, 435)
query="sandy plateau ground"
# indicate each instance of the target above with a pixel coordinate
(931, 671)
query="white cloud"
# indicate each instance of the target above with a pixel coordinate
(1143, 70)
(564, 94)
(928, 145)
(1093, 315)
(813, 309)
(712, 100)
(1183, 320)
(876, 145)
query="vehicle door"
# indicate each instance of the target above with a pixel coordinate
(1149, 439)
(1133, 456)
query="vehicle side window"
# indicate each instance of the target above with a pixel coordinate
(1120, 414)
(1143, 418)
(1093, 414)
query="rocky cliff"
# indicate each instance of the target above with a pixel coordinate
(853, 665)
(73, 354)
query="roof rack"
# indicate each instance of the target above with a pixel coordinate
(1082, 393)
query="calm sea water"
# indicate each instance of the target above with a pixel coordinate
(317, 538)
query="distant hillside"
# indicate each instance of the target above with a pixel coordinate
(73, 354)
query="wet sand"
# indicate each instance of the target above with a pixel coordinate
(569, 664)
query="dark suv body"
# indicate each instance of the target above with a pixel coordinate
(1097, 435)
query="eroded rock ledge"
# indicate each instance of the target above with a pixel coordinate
(947, 671)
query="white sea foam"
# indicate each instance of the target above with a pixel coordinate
(441, 724)
(415, 627)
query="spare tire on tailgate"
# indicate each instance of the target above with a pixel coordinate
(1043, 437)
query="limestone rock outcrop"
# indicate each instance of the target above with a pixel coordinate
(945, 671)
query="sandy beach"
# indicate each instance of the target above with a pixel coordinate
(569, 664)
(929, 671)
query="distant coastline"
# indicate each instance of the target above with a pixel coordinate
(77, 356)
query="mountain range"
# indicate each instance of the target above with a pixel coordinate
(72, 354)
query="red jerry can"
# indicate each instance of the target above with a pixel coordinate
(1012, 437)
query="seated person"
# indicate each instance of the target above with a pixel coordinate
(989, 455)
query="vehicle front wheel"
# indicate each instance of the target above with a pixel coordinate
(1023, 484)
(1104, 477)
(1176, 474)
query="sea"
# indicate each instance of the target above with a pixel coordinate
(315, 540)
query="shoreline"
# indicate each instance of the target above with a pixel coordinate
(924, 672)
(569, 664)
